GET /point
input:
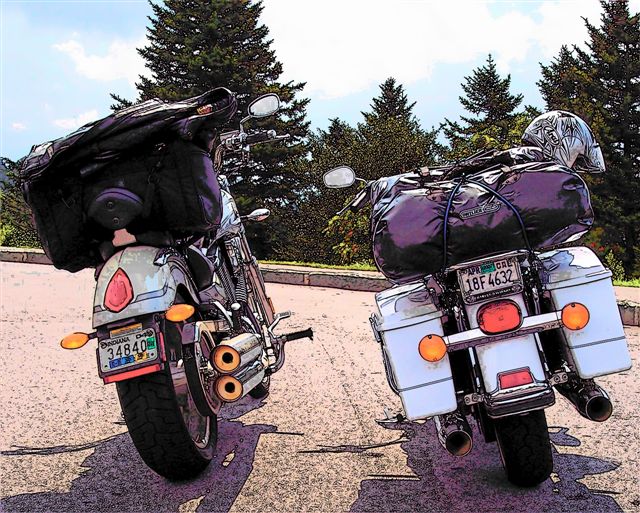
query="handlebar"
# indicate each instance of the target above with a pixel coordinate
(241, 140)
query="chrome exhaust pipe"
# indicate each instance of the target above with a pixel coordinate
(591, 401)
(231, 388)
(454, 433)
(234, 354)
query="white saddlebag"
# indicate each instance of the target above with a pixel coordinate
(577, 275)
(408, 314)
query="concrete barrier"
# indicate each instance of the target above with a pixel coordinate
(367, 281)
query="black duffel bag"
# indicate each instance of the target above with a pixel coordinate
(421, 228)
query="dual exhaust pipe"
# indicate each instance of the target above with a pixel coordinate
(239, 360)
(591, 401)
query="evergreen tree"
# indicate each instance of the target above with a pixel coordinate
(489, 100)
(391, 104)
(602, 85)
(197, 45)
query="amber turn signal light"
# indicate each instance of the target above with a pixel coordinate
(432, 348)
(179, 313)
(575, 316)
(74, 340)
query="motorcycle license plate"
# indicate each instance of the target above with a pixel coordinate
(490, 279)
(128, 347)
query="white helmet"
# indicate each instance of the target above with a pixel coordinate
(567, 139)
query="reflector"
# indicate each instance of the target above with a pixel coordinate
(515, 378)
(119, 292)
(432, 348)
(575, 316)
(499, 317)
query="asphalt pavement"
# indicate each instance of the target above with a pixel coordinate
(311, 445)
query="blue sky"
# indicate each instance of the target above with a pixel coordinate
(61, 59)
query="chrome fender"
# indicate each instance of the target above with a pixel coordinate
(154, 284)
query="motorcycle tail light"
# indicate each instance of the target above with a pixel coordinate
(515, 378)
(432, 348)
(499, 317)
(575, 316)
(119, 292)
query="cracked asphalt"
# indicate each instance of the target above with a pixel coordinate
(311, 445)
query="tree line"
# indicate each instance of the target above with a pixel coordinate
(200, 44)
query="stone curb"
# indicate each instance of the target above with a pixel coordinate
(331, 278)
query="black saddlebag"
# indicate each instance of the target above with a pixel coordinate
(147, 160)
(171, 187)
(420, 228)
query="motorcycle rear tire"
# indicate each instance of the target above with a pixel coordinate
(171, 436)
(525, 448)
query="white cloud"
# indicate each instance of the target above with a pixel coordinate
(120, 61)
(344, 46)
(78, 121)
(18, 127)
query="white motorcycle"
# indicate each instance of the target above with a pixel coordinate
(492, 337)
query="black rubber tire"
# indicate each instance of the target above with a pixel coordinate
(262, 390)
(525, 448)
(157, 426)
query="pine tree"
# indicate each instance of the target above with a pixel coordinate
(489, 99)
(391, 104)
(196, 45)
(602, 85)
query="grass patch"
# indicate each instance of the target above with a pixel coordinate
(352, 267)
(627, 283)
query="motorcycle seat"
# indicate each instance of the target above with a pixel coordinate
(201, 267)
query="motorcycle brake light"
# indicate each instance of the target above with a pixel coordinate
(515, 378)
(499, 317)
(119, 292)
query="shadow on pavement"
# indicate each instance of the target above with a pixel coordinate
(117, 480)
(441, 482)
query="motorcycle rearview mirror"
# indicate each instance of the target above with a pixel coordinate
(264, 106)
(259, 214)
(339, 177)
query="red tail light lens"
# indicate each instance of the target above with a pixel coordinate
(119, 292)
(515, 378)
(499, 317)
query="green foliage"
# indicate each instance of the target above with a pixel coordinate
(16, 225)
(352, 233)
(616, 267)
(388, 142)
(602, 85)
(201, 44)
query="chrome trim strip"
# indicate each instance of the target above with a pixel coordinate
(599, 342)
(426, 384)
(476, 337)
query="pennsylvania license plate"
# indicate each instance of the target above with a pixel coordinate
(127, 347)
(490, 279)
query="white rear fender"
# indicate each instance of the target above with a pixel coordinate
(153, 285)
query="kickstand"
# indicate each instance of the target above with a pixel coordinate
(391, 418)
